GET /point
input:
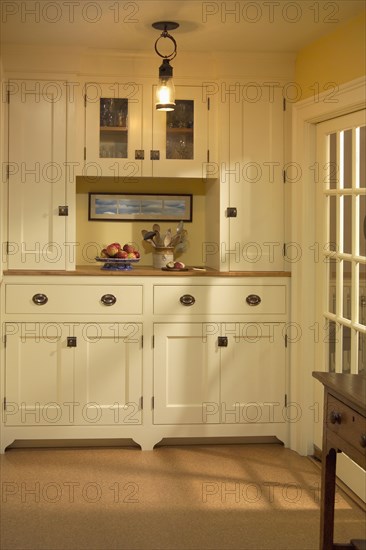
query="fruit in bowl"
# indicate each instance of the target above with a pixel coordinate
(175, 265)
(125, 252)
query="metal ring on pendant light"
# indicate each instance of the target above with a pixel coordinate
(166, 26)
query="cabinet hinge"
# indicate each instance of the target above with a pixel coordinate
(208, 155)
(285, 340)
(284, 249)
(153, 341)
(152, 402)
(208, 103)
(4, 340)
(141, 403)
(4, 404)
(84, 153)
(284, 176)
(85, 102)
(7, 247)
(284, 104)
(142, 340)
(285, 399)
(7, 96)
(7, 172)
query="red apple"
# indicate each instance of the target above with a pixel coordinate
(112, 250)
(117, 245)
(131, 255)
(122, 254)
(179, 265)
(104, 254)
(128, 248)
(137, 254)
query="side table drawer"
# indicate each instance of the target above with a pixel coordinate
(86, 299)
(347, 424)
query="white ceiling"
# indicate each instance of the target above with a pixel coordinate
(260, 26)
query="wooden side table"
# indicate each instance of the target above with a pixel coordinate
(344, 430)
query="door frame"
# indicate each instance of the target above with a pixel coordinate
(350, 97)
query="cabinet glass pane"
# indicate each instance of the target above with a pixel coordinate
(180, 130)
(331, 339)
(113, 128)
(332, 243)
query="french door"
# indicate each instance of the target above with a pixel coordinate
(340, 258)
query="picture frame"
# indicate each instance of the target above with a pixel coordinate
(140, 207)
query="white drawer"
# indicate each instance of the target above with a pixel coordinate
(238, 299)
(80, 299)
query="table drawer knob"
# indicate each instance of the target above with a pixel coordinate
(40, 299)
(187, 300)
(108, 299)
(253, 300)
(363, 440)
(335, 417)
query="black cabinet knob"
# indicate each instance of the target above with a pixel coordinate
(335, 417)
(253, 300)
(363, 440)
(187, 300)
(40, 299)
(108, 299)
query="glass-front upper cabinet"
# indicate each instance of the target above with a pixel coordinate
(180, 146)
(113, 129)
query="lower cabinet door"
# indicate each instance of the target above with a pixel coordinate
(253, 373)
(73, 374)
(186, 368)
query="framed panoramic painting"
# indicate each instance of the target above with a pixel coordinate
(139, 207)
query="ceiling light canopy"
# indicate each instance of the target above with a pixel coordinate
(165, 92)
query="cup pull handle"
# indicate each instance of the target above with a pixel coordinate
(40, 299)
(253, 300)
(108, 299)
(187, 300)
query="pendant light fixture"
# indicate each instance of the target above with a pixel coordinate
(165, 92)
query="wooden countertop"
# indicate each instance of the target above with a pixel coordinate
(345, 385)
(146, 271)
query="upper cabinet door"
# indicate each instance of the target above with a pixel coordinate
(37, 175)
(255, 176)
(113, 129)
(180, 137)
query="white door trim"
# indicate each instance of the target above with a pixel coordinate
(305, 114)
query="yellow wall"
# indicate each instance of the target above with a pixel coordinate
(335, 58)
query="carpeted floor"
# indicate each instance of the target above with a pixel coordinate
(209, 497)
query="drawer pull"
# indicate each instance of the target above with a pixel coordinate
(363, 440)
(40, 299)
(108, 299)
(335, 417)
(187, 300)
(253, 300)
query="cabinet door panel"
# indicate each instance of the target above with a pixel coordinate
(253, 373)
(186, 384)
(113, 131)
(256, 180)
(37, 164)
(182, 147)
(108, 377)
(39, 375)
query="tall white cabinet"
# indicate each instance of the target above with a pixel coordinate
(37, 174)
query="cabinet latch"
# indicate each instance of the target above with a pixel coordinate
(71, 341)
(231, 212)
(139, 154)
(154, 154)
(63, 210)
(222, 341)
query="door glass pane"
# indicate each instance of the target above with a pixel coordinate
(362, 294)
(346, 346)
(347, 289)
(180, 130)
(332, 265)
(331, 338)
(347, 224)
(347, 159)
(333, 161)
(362, 150)
(113, 128)
(361, 353)
(332, 245)
(362, 228)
